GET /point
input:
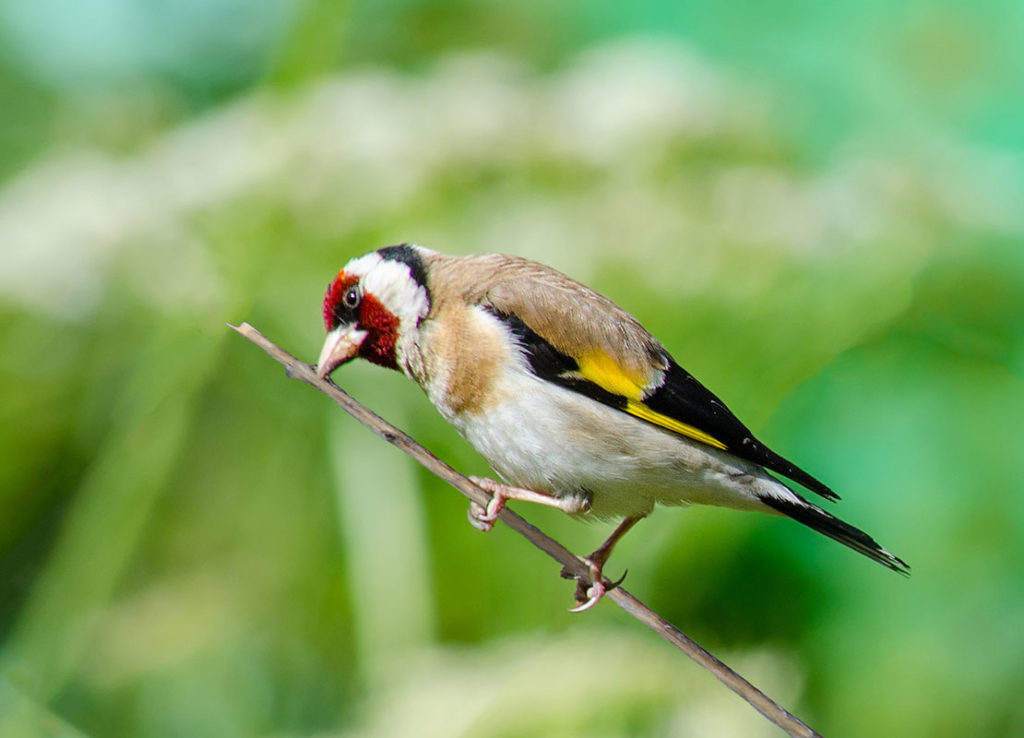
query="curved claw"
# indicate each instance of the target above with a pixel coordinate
(594, 594)
(478, 518)
(596, 591)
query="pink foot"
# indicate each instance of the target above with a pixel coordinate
(482, 518)
(587, 597)
(593, 593)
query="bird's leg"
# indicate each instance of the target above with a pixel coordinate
(483, 518)
(587, 597)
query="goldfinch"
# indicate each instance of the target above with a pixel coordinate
(569, 399)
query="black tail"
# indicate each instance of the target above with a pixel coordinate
(837, 530)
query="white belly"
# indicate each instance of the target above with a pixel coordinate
(553, 440)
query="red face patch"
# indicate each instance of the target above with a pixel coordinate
(381, 326)
(334, 306)
(342, 306)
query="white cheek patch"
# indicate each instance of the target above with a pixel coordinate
(392, 283)
(363, 265)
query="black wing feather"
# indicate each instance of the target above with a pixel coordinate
(681, 397)
(549, 363)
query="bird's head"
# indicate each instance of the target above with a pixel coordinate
(373, 308)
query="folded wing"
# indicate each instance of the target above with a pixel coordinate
(583, 341)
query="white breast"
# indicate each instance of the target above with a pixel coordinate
(550, 439)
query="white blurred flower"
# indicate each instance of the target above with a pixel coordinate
(584, 163)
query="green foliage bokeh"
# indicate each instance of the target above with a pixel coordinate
(817, 208)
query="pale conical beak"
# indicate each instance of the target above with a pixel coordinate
(342, 344)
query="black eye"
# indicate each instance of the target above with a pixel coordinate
(351, 298)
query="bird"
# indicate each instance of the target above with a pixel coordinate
(571, 401)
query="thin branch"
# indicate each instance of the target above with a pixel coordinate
(759, 700)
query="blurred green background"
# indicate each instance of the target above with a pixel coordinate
(818, 207)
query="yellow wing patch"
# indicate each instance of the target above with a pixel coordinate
(640, 410)
(605, 372)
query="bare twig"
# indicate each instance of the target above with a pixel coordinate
(759, 700)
